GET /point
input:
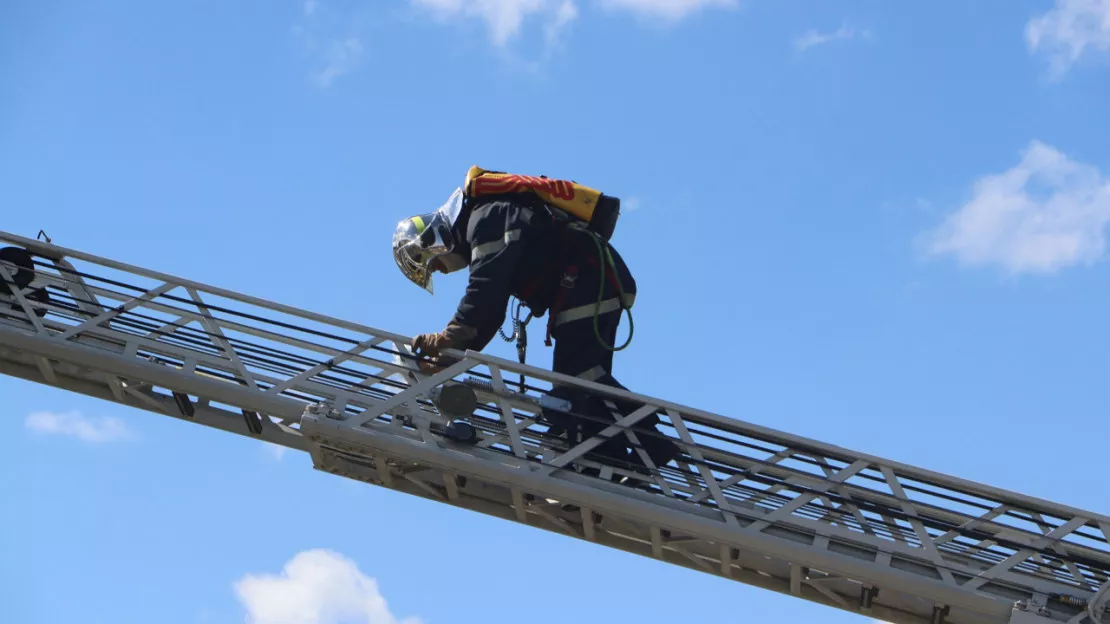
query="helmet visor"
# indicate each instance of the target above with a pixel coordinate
(418, 241)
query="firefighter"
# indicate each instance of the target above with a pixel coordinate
(544, 242)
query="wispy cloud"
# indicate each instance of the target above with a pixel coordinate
(1068, 30)
(340, 57)
(505, 18)
(315, 587)
(814, 38)
(329, 41)
(1046, 213)
(670, 10)
(564, 15)
(76, 425)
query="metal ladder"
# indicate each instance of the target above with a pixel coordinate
(770, 509)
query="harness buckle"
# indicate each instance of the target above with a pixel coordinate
(570, 276)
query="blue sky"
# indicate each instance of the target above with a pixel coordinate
(876, 224)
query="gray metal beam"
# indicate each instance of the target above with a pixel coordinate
(767, 508)
(98, 384)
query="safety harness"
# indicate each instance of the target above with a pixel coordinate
(570, 275)
(566, 284)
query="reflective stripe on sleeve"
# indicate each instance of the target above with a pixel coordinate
(480, 252)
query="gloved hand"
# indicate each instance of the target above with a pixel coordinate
(452, 337)
(432, 344)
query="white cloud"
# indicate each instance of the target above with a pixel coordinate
(504, 18)
(667, 9)
(1046, 213)
(815, 38)
(1066, 31)
(328, 40)
(340, 56)
(75, 424)
(315, 587)
(564, 15)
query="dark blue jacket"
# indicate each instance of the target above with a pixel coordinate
(521, 249)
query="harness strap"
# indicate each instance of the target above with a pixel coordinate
(570, 275)
(611, 275)
(565, 286)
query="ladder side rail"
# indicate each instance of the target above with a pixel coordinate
(323, 392)
(231, 394)
(324, 350)
(194, 315)
(722, 423)
(124, 341)
(882, 535)
(894, 473)
(94, 383)
(128, 345)
(177, 350)
(943, 568)
(375, 440)
(220, 362)
(132, 343)
(204, 316)
(183, 314)
(640, 538)
(328, 393)
(196, 357)
(853, 534)
(50, 250)
(182, 382)
(911, 507)
(889, 502)
(253, 394)
(725, 423)
(743, 567)
(367, 436)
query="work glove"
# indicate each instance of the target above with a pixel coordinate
(454, 336)
(432, 344)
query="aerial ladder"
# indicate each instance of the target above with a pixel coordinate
(811, 520)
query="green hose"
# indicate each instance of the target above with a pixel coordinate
(604, 251)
